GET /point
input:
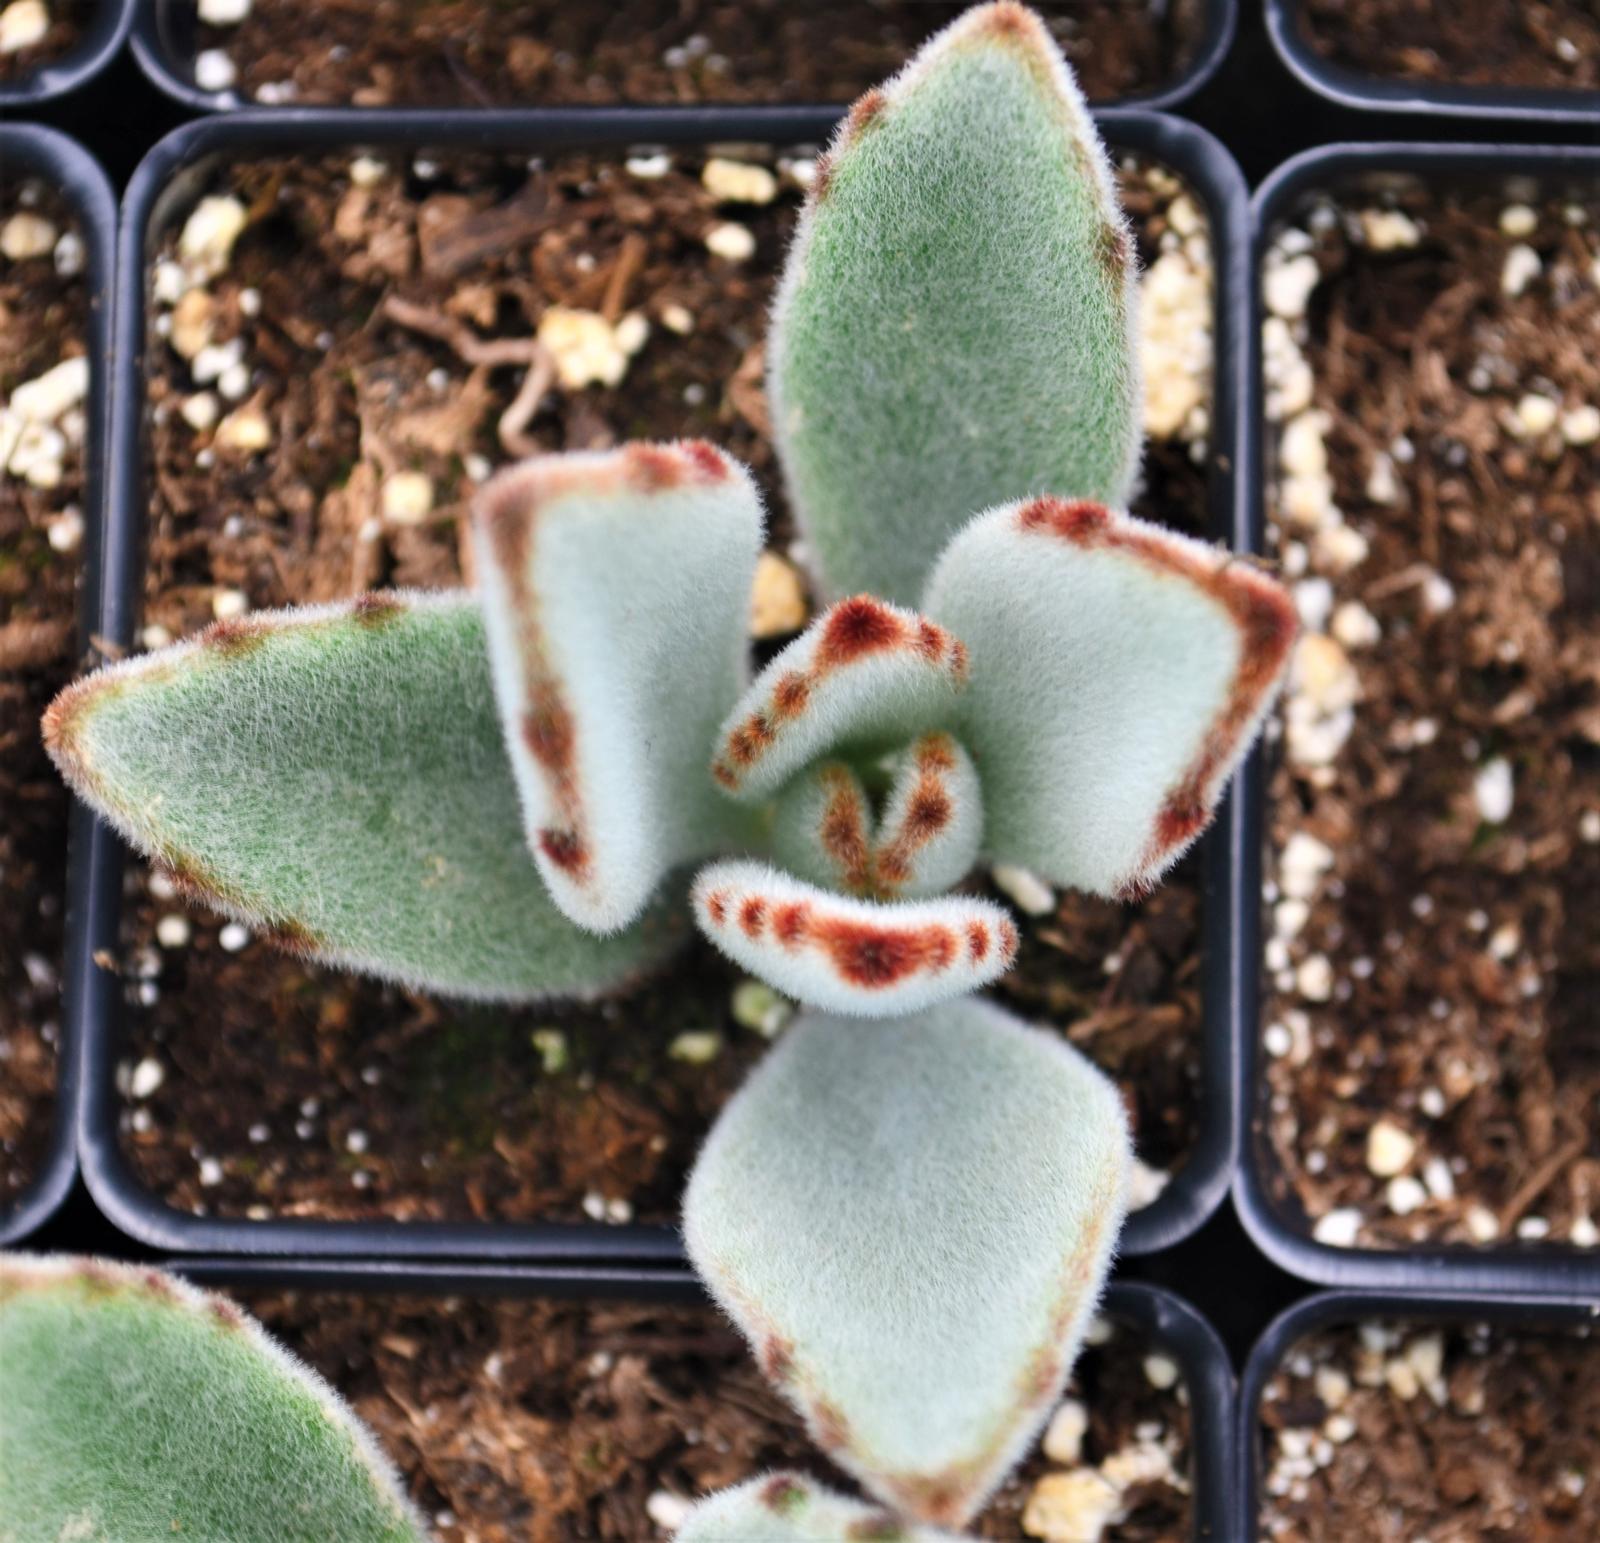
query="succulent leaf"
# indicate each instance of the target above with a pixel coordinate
(967, 1176)
(925, 842)
(616, 587)
(1120, 674)
(852, 956)
(336, 778)
(956, 324)
(864, 676)
(134, 1407)
(792, 1508)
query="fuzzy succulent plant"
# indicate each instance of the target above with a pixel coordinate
(526, 793)
(133, 1406)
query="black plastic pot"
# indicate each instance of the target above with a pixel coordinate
(27, 151)
(164, 44)
(1170, 1324)
(1273, 1219)
(102, 40)
(1337, 1308)
(1377, 93)
(158, 190)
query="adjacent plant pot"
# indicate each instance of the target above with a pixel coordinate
(1286, 22)
(102, 38)
(1267, 1203)
(162, 190)
(1338, 1310)
(165, 43)
(28, 153)
(1166, 1324)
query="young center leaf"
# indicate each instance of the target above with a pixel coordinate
(956, 322)
(336, 778)
(616, 590)
(851, 956)
(863, 676)
(1120, 673)
(911, 1222)
(134, 1407)
(793, 1508)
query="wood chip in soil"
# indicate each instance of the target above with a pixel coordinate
(1548, 44)
(1434, 965)
(1395, 1432)
(43, 320)
(538, 1422)
(291, 1090)
(480, 53)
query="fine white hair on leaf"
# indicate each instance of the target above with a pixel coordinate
(616, 588)
(864, 675)
(926, 840)
(336, 778)
(844, 955)
(957, 320)
(794, 1508)
(911, 1221)
(1120, 674)
(136, 1406)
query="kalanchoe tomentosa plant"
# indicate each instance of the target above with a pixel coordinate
(502, 795)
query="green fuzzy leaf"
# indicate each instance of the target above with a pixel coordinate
(1119, 675)
(336, 778)
(925, 842)
(791, 1508)
(135, 1408)
(864, 677)
(956, 325)
(616, 591)
(911, 1221)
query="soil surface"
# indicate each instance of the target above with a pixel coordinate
(67, 18)
(467, 53)
(259, 1085)
(1455, 1433)
(1431, 1027)
(43, 319)
(538, 1422)
(1553, 44)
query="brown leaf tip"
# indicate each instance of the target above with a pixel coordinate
(857, 627)
(864, 112)
(683, 463)
(234, 638)
(717, 906)
(1078, 520)
(376, 611)
(564, 849)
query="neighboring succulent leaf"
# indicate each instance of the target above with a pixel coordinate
(616, 590)
(851, 956)
(925, 842)
(911, 1221)
(336, 778)
(863, 676)
(134, 1407)
(956, 323)
(1120, 673)
(792, 1508)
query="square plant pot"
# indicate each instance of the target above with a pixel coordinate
(684, 55)
(688, 1370)
(1420, 991)
(41, 963)
(1362, 1409)
(102, 30)
(1365, 90)
(160, 198)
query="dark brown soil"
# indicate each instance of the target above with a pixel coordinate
(66, 27)
(43, 317)
(1544, 43)
(1494, 1439)
(538, 1422)
(299, 1091)
(466, 53)
(1464, 960)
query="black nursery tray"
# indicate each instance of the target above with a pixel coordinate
(103, 35)
(27, 151)
(172, 172)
